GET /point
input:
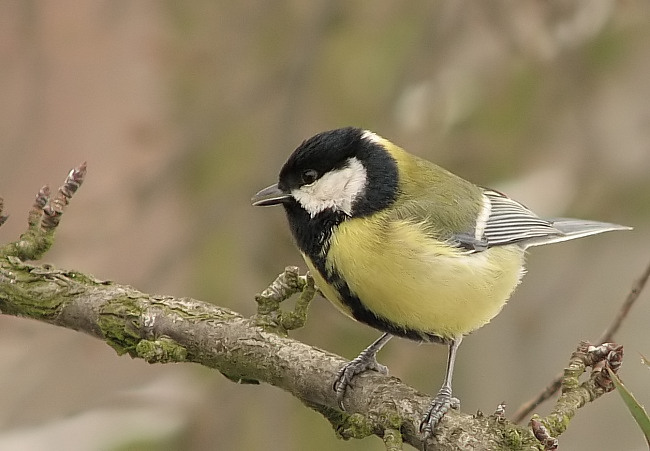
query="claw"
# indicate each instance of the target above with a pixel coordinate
(438, 408)
(366, 361)
(359, 365)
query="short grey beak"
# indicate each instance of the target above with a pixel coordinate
(271, 195)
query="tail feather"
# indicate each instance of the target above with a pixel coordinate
(575, 228)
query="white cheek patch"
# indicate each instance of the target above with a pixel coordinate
(336, 190)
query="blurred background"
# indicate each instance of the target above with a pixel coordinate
(184, 110)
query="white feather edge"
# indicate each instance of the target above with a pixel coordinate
(482, 219)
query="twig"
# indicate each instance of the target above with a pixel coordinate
(525, 409)
(632, 296)
(269, 314)
(43, 218)
(575, 394)
(41, 200)
(54, 209)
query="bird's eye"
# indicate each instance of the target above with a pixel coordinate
(309, 176)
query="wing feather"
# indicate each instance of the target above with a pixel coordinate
(512, 222)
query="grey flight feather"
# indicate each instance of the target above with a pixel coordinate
(577, 228)
(510, 222)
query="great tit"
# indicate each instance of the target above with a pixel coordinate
(405, 246)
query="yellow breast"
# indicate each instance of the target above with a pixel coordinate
(403, 275)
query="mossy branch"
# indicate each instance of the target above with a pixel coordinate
(161, 329)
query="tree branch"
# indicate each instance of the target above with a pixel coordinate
(162, 329)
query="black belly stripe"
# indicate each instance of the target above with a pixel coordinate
(313, 238)
(362, 314)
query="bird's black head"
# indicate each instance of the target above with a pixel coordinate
(346, 170)
(333, 176)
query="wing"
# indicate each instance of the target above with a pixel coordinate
(505, 221)
(509, 222)
(446, 208)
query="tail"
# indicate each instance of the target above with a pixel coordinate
(575, 228)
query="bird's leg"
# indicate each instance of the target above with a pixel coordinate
(443, 400)
(365, 361)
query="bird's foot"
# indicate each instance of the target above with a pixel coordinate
(364, 362)
(438, 408)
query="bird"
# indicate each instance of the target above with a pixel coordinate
(405, 246)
